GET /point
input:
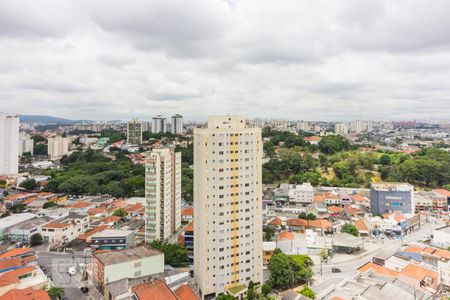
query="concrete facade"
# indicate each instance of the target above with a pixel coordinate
(392, 197)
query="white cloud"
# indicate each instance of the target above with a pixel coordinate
(294, 59)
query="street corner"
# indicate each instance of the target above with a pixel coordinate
(64, 271)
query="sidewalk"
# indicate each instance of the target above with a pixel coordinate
(369, 248)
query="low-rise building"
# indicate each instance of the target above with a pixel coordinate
(110, 266)
(387, 197)
(113, 239)
(302, 194)
(441, 237)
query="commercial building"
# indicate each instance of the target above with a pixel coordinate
(134, 132)
(389, 197)
(301, 194)
(26, 143)
(177, 124)
(58, 147)
(109, 266)
(227, 205)
(113, 239)
(163, 193)
(159, 124)
(9, 144)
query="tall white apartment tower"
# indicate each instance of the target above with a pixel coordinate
(57, 147)
(177, 124)
(26, 143)
(159, 124)
(134, 132)
(162, 193)
(227, 205)
(9, 144)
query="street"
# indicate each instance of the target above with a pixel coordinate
(349, 267)
(57, 265)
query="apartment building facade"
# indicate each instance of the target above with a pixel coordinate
(177, 124)
(227, 205)
(58, 147)
(9, 144)
(134, 133)
(163, 193)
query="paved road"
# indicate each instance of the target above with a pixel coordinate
(57, 265)
(349, 267)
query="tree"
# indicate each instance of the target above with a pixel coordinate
(18, 208)
(303, 215)
(350, 229)
(269, 232)
(333, 143)
(56, 293)
(175, 255)
(281, 273)
(385, 159)
(120, 212)
(29, 184)
(250, 293)
(323, 255)
(302, 267)
(311, 216)
(266, 288)
(49, 204)
(36, 239)
(308, 292)
(446, 186)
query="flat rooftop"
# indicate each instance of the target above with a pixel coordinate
(111, 257)
(112, 233)
(393, 186)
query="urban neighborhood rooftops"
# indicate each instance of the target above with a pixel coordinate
(110, 257)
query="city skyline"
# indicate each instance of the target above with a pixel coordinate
(316, 61)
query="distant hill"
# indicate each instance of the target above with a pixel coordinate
(46, 119)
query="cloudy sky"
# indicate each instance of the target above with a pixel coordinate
(310, 60)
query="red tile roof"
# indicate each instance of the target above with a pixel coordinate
(85, 235)
(285, 235)
(16, 252)
(16, 196)
(443, 192)
(319, 223)
(188, 211)
(319, 198)
(412, 249)
(275, 222)
(335, 209)
(155, 290)
(29, 200)
(96, 210)
(13, 276)
(377, 269)
(184, 292)
(312, 138)
(25, 294)
(110, 219)
(10, 263)
(418, 273)
(296, 222)
(359, 198)
(190, 227)
(360, 225)
(81, 205)
(55, 224)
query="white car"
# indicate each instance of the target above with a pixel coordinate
(72, 271)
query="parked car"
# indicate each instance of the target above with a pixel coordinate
(72, 271)
(335, 270)
(84, 289)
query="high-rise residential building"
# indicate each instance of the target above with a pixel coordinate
(26, 143)
(386, 197)
(227, 205)
(146, 126)
(134, 132)
(162, 193)
(341, 128)
(9, 144)
(58, 147)
(159, 124)
(177, 124)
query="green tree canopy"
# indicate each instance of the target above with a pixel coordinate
(350, 229)
(308, 292)
(175, 255)
(281, 273)
(49, 204)
(333, 143)
(36, 239)
(29, 184)
(120, 212)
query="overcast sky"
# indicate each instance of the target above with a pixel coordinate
(310, 60)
